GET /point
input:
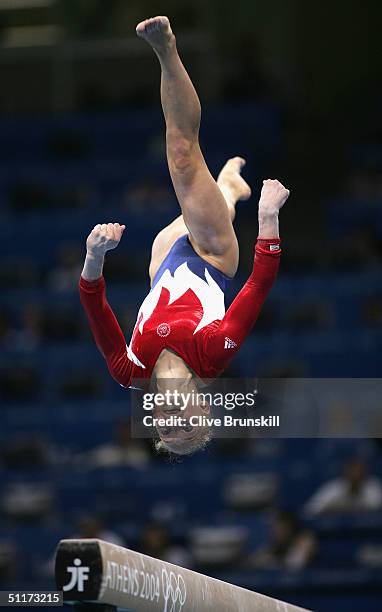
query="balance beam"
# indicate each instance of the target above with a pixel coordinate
(109, 575)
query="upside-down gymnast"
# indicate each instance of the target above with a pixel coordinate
(182, 330)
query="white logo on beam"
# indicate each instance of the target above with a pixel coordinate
(79, 575)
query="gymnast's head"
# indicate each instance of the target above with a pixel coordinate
(183, 429)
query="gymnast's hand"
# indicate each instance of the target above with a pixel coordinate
(272, 199)
(104, 238)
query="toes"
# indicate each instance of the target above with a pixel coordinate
(144, 27)
(154, 24)
(240, 161)
(140, 29)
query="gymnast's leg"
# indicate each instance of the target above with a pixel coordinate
(204, 206)
(233, 188)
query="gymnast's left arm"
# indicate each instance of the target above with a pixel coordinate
(225, 339)
(103, 323)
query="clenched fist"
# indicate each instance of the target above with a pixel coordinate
(104, 238)
(273, 197)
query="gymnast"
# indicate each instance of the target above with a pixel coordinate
(182, 332)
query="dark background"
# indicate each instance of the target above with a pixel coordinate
(295, 87)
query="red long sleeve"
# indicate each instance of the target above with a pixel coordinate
(106, 330)
(222, 343)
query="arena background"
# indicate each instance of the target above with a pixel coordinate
(295, 87)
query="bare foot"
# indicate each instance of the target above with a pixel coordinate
(157, 32)
(231, 181)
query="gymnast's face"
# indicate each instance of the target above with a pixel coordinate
(182, 436)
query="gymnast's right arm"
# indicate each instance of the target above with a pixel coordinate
(103, 323)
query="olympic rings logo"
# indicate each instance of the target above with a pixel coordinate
(174, 591)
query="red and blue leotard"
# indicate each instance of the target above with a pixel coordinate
(183, 312)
